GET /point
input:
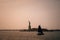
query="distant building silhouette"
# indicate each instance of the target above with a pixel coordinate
(40, 32)
(29, 27)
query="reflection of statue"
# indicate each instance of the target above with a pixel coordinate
(29, 26)
(40, 32)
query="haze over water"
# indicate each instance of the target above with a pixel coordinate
(14, 14)
(17, 35)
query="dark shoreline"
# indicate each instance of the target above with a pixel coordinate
(32, 30)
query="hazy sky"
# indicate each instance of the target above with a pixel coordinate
(14, 14)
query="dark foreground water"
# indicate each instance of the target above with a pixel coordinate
(17, 35)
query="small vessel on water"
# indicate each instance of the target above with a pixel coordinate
(40, 32)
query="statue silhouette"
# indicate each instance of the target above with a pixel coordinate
(40, 32)
(29, 27)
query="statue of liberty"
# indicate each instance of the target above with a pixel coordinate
(29, 27)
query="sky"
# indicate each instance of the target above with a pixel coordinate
(15, 14)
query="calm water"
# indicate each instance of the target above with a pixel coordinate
(17, 35)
